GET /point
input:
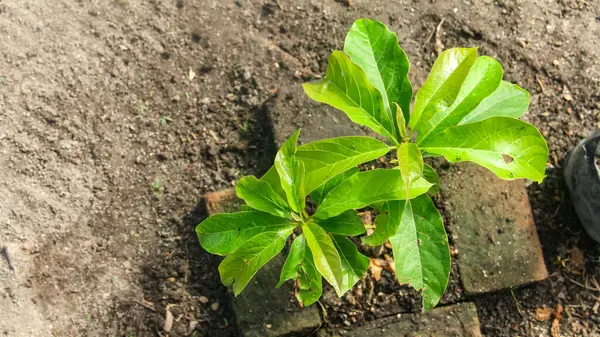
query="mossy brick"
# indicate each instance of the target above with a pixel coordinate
(493, 230)
(261, 309)
(459, 320)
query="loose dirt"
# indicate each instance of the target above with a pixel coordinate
(118, 115)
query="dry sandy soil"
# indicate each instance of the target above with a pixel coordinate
(118, 115)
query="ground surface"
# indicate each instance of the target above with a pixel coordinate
(118, 115)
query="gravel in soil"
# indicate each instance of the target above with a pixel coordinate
(118, 116)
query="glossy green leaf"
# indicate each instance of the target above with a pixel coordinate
(261, 196)
(354, 264)
(222, 234)
(400, 122)
(375, 49)
(431, 176)
(508, 147)
(324, 159)
(509, 100)
(443, 84)
(421, 252)
(240, 266)
(291, 173)
(310, 281)
(320, 192)
(293, 262)
(327, 260)
(348, 223)
(327, 158)
(300, 267)
(272, 178)
(246, 208)
(483, 79)
(386, 223)
(346, 87)
(365, 188)
(410, 163)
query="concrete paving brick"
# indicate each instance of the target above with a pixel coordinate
(261, 309)
(459, 320)
(493, 229)
(292, 109)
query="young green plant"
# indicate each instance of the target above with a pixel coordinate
(463, 112)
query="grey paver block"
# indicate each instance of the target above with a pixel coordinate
(261, 309)
(459, 320)
(493, 229)
(293, 109)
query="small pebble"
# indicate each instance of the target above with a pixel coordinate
(203, 299)
(214, 306)
(168, 321)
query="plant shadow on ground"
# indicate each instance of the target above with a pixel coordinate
(179, 275)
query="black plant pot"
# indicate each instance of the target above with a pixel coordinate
(582, 175)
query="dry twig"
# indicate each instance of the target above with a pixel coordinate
(8, 259)
(439, 47)
(581, 285)
(146, 304)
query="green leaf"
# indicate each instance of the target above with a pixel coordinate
(272, 178)
(443, 84)
(324, 159)
(421, 252)
(293, 262)
(431, 176)
(365, 188)
(386, 223)
(327, 158)
(246, 208)
(348, 223)
(239, 267)
(354, 264)
(310, 281)
(320, 192)
(300, 267)
(509, 100)
(291, 173)
(346, 87)
(327, 260)
(261, 196)
(374, 48)
(400, 122)
(410, 163)
(508, 147)
(222, 234)
(484, 78)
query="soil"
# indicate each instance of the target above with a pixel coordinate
(117, 116)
